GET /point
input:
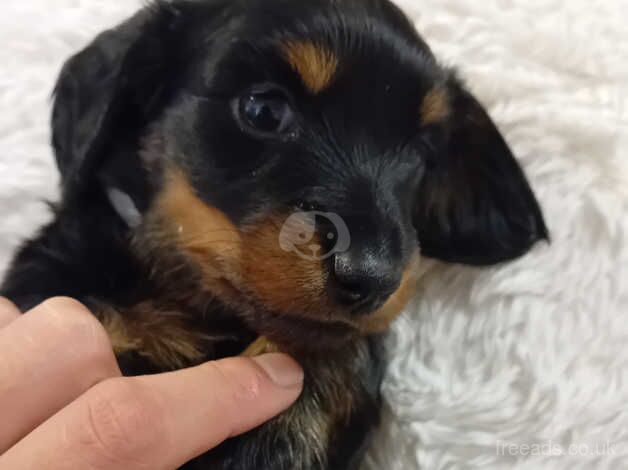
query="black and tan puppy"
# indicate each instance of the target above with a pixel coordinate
(202, 142)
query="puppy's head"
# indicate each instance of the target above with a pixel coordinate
(299, 155)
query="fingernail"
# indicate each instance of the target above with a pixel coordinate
(282, 369)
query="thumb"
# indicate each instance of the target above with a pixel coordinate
(161, 421)
(232, 396)
(221, 399)
(252, 391)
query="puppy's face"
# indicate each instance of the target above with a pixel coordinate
(299, 157)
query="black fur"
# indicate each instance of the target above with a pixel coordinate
(170, 75)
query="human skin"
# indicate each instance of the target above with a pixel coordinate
(65, 405)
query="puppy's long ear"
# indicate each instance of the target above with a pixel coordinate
(475, 205)
(108, 91)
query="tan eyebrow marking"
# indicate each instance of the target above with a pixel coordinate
(435, 107)
(315, 64)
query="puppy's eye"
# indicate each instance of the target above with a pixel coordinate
(266, 112)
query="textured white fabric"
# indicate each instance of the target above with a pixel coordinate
(534, 352)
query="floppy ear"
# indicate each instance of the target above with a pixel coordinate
(108, 92)
(475, 204)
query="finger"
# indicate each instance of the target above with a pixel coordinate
(50, 356)
(8, 312)
(161, 421)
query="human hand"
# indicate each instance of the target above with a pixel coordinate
(64, 404)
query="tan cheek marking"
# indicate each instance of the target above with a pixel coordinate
(236, 260)
(162, 337)
(202, 231)
(381, 320)
(435, 107)
(282, 280)
(314, 63)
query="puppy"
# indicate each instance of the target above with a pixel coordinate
(241, 176)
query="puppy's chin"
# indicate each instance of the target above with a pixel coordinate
(292, 333)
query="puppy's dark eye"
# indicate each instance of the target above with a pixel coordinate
(266, 112)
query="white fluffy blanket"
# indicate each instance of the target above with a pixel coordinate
(523, 366)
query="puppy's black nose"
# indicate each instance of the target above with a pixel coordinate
(362, 281)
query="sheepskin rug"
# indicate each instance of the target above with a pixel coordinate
(523, 366)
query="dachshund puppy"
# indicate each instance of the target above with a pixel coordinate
(242, 176)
